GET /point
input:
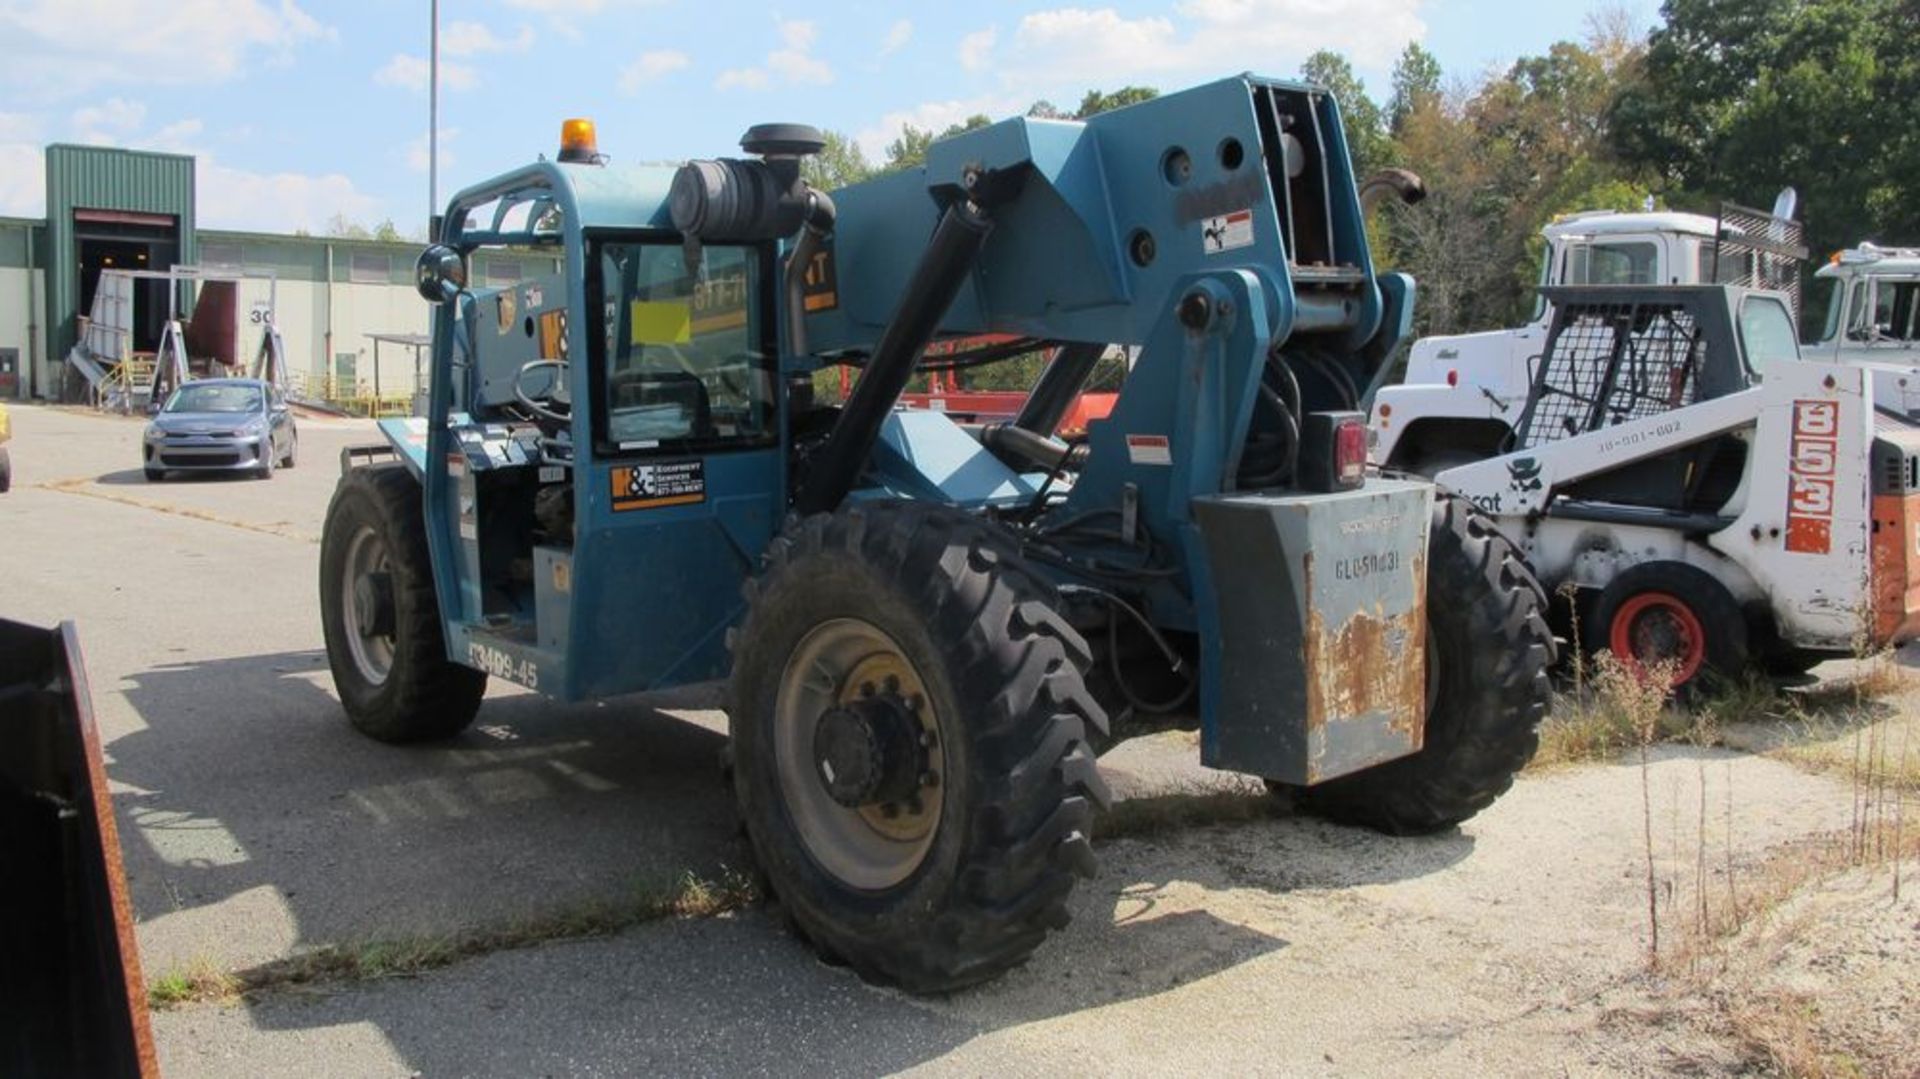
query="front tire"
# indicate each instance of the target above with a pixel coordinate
(910, 743)
(1677, 613)
(1488, 653)
(381, 618)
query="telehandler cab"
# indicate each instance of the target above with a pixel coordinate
(929, 631)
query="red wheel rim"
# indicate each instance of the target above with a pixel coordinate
(1655, 626)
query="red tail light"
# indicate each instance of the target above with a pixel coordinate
(1333, 451)
(1350, 453)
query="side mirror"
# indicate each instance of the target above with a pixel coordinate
(441, 274)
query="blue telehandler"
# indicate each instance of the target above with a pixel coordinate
(930, 630)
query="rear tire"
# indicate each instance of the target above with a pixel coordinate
(1488, 653)
(968, 874)
(6, 471)
(1672, 611)
(397, 685)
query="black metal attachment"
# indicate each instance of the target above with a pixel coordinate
(942, 271)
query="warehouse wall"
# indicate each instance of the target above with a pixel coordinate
(18, 239)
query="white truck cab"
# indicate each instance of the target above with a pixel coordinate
(1873, 318)
(1489, 373)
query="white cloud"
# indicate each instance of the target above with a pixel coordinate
(113, 114)
(897, 37)
(1210, 36)
(410, 72)
(178, 136)
(977, 48)
(63, 47)
(233, 198)
(474, 39)
(793, 62)
(417, 150)
(742, 78)
(651, 67)
(935, 116)
(23, 179)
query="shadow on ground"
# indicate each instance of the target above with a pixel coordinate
(248, 784)
(265, 824)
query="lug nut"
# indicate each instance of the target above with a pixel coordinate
(867, 689)
(929, 779)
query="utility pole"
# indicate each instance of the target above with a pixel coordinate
(433, 115)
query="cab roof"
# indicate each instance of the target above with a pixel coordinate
(1613, 222)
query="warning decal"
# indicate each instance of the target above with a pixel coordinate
(1149, 450)
(1226, 232)
(650, 486)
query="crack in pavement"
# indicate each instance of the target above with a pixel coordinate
(79, 486)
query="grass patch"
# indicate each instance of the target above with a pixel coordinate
(690, 896)
(199, 982)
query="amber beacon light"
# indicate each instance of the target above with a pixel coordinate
(578, 143)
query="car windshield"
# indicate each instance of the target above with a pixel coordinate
(215, 398)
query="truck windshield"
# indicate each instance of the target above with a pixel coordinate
(682, 355)
(215, 397)
(1766, 332)
(1613, 264)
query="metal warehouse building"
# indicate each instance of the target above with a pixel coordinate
(128, 209)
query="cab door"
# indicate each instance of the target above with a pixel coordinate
(685, 483)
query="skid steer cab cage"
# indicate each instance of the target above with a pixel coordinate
(590, 528)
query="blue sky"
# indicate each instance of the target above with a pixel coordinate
(303, 109)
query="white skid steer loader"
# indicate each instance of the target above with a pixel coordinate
(1713, 499)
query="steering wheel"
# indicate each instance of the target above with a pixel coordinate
(551, 406)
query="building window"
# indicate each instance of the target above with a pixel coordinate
(503, 272)
(370, 269)
(225, 257)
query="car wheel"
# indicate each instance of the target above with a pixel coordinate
(265, 471)
(293, 451)
(155, 475)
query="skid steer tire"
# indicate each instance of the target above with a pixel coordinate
(964, 879)
(1694, 620)
(397, 686)
(1489, 649)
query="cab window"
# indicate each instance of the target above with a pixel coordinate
(1857, 312)
(1613, 264)
(682, 356)
(1766, 332)
(1893, 310)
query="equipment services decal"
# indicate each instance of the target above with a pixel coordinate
(666, 483)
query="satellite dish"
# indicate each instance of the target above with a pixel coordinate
(1786, 203)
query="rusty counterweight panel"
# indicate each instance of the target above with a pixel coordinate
(1320, 607)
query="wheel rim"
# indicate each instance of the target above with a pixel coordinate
(372, 653)
(837, 664)
(1653, 627)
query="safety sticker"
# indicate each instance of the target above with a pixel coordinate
(666, 483)
(1226, 232)
(1149, 450)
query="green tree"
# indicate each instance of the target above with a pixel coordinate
(1743, 96)
(1366, 134)
(910, 149)
(1096, 102)
(1416, 82)
(839, 163)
